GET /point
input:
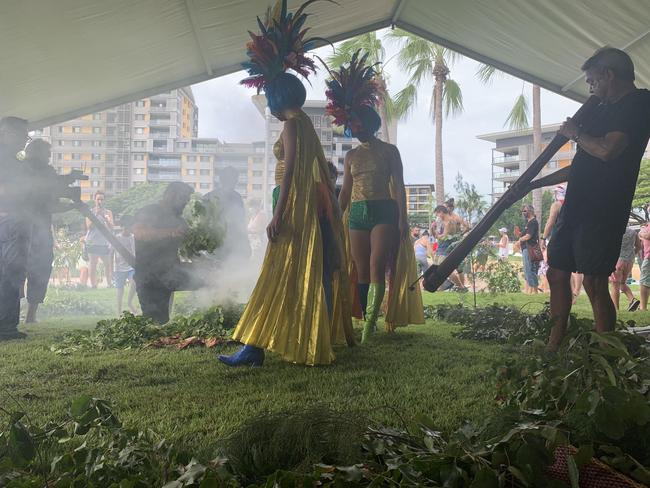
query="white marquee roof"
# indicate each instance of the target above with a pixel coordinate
(63, 58)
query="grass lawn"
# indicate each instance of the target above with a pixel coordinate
(190, 398)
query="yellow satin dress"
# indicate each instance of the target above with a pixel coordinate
(370, 165)
(287, 311)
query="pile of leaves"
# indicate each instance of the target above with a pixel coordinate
(231, 311)
(91, 448)
(501, 277)
(597, 387)
(496, 323)
(62, 302)
(206, 228)
(129, 331)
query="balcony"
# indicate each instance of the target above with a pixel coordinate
(506, 176)
(507, 161)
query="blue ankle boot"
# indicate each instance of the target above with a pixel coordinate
(246, 356)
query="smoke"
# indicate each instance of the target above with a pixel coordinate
(230, 280)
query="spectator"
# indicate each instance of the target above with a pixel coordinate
(448, 235)
(630, 246)
(421, 246)
(644, 281)
(124, 272)
(96, 244)
(504, 244)
(527, 241)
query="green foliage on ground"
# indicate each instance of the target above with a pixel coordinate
(496, 323)
(130, 331)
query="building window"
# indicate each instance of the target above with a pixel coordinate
(204, 172)
(139, 116)
(61, 143)
(110, 131)
(139, 130)
(138, 157)
(204, 186)
(97, 157)
(97, 130)
(258, 173)
(59, 156)
(76, 156)
(76, 130)
(95, 184)
(140, 103)
(94, 170)
(205, 159)
(191, 159)
(139, 143)
(97, 116)
(60, 129)
(190, 172)
(76, 143)
(97, 143)
(181, 145)
(138, 171)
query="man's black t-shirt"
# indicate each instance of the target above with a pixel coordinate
(157, 257)
(603, 190)
(532, 229)
(14, 181)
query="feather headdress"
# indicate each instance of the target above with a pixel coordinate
(280, 46)
(350, 88)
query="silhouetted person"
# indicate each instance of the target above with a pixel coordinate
(234, 213)
(14, 224)
(159, 230)
(41, 241)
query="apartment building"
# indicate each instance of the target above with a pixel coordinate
(513, 153)
(419, 201)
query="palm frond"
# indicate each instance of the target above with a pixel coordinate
(518, 117)
(452, 97)
(486, 73)
(403, 103)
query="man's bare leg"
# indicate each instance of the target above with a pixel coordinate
(560, 285)
(645, 293)
(601, 302)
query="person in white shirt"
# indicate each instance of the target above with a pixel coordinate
(503, 244)
(124, 271)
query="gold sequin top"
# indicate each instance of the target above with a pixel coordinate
(278, 152)
(370, 164)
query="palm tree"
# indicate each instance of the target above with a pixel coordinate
(518, 119)
(423, 60)
(370, 44)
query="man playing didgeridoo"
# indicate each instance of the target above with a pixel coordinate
(601, 184)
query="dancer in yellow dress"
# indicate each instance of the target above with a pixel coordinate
(300, 305)
(373, 182)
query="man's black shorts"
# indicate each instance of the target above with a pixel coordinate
(590, 247)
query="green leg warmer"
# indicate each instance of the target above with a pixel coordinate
(375, 297)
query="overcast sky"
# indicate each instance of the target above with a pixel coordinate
(226, 112)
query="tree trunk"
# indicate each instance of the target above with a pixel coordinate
(437, 110)
(537, 149)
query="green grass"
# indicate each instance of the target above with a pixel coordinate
(193, 400)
